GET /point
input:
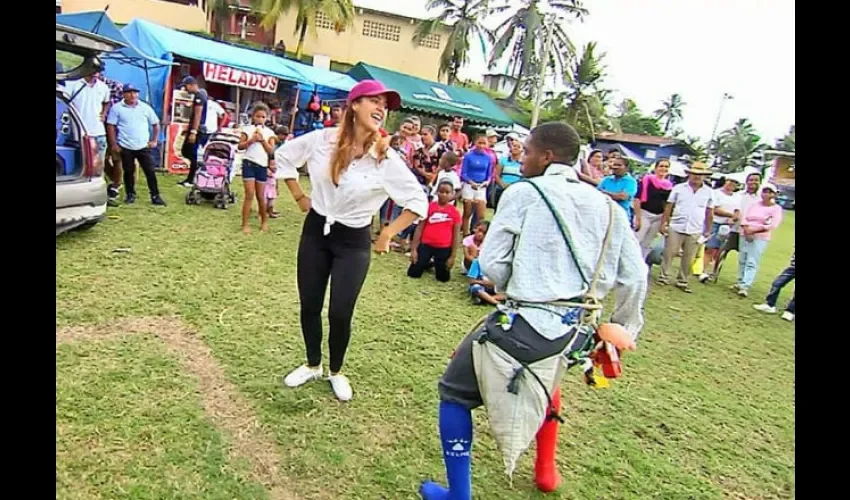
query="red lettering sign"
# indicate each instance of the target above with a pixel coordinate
(240, 78)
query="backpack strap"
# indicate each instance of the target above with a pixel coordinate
(590, 295)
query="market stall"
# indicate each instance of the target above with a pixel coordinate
(233, 76)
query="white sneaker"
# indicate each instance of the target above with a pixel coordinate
(765, 308)
(341, 387)
(788, 316)
(703, 278)
(742, 292)
(302, 375)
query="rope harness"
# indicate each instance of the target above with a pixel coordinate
(583, 324)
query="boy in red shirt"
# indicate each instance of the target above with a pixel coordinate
(437, 237)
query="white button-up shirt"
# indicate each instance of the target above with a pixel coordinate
(363, 187)
(689, 208)
(525, 255)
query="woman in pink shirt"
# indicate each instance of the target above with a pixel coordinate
(757, 228)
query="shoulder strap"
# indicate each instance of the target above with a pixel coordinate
(565, 233)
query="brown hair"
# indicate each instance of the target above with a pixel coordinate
(345, 143)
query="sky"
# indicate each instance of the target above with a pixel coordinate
(700, 49)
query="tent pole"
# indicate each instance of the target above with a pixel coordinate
(238, 106)
(148, 80)
(295, 105)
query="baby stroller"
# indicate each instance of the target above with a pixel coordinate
(215, 173)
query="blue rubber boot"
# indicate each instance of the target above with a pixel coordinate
(456, 436)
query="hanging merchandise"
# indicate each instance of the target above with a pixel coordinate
(311, 118)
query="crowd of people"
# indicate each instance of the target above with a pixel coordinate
(566, 232)
(688, 217)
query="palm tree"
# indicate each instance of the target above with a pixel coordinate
(787, 143)
(522, 35)
(583, 103)
(671, 111)
(738, 146)
(218, 16)
(698, 152)
(340, 12)
(465, 18)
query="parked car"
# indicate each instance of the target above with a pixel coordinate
(785, 198)
(80, 187)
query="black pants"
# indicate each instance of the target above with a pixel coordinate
(128, 163)
(426, 255)
(190, 152)
(785, 277)
(342, 256)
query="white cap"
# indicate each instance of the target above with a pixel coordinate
(491, 133)
(768, 185)
(513, 135)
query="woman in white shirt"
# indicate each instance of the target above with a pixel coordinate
(254, 140)
(352, 172)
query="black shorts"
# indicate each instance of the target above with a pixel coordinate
(459, 384)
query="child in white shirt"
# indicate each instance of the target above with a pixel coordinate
(254, 140)
(447, 163)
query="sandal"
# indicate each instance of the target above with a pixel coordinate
(684, 287)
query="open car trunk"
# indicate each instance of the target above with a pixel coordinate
(70, 141)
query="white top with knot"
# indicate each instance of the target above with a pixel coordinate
(363, 187)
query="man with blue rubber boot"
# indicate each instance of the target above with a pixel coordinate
(542, 319)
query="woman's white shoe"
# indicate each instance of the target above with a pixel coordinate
(341, 387)
(302, 375)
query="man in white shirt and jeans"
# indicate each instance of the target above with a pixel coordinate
(687, 216)
(90, 96)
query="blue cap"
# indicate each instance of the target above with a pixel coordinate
(129, 87)
(187, 80)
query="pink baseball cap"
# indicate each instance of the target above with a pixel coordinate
(369, 88)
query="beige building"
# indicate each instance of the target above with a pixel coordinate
(177, 14)
(379, 38)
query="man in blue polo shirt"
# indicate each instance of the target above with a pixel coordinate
(132, 129)
(620, 185)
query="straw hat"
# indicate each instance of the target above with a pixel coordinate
(698, 168)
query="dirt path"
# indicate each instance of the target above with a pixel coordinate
(224, 405)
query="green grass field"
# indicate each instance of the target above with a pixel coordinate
(705, 408)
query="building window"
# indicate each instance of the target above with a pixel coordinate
(431, 41)
(324, 22)
(380, 30)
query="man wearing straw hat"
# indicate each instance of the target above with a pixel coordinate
(686, 223)
(556, 247)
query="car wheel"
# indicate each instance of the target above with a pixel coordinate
(86, 225)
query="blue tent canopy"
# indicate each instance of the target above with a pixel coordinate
(324, 78)
(163, 42)
(99, 23)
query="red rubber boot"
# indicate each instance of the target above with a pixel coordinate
(545, 470)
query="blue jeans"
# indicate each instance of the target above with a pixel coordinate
(388, 215)
(101, 147)
(785, 277)
(749, 257)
